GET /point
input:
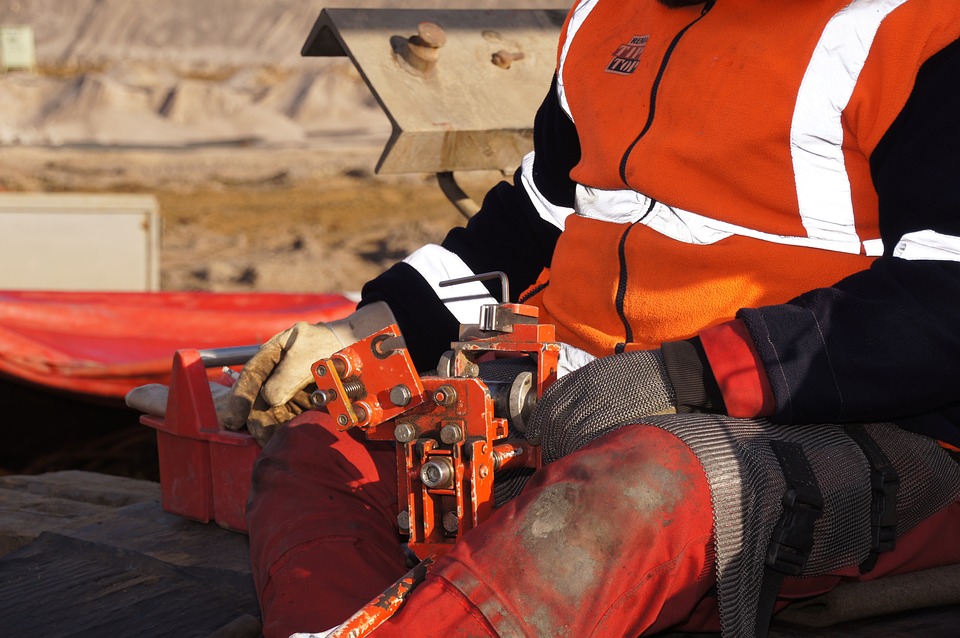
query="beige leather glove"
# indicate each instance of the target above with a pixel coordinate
(271, 386)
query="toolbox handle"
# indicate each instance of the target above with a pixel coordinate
(232, 356)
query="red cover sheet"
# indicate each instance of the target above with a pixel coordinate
(101, 345)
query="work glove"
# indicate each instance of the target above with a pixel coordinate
(605, 394)
(273, 386)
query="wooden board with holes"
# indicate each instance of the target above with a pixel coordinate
(472, 110)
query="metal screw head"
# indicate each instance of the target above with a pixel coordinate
(403, 520)
(431, 34)
(342, 419)
(320, 398)
(422, 51)
(400, 395)
(451, 433)
(321, 370)
(484, 471)
(405, 432)
(450, 522)
(437, 473)
(445, 395)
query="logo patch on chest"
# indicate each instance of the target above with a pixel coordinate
(627, 56)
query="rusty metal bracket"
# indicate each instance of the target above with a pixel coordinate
(460, 200)
(442, 77)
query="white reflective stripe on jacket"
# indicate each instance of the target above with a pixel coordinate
(816, 137)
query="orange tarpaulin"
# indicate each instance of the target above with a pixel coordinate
(101, 344)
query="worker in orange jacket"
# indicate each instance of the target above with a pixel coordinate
(743, 218)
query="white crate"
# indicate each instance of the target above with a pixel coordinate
(17, 48)
(79, 242)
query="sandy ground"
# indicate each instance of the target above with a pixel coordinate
(262, 160)
(239, 219)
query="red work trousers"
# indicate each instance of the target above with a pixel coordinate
(613, 540)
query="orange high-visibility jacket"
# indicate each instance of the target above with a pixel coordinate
(718, 149)
(788, 162)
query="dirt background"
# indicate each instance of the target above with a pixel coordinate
(262, 161)
(240, 219)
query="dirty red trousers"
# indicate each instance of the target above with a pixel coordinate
(614, 540)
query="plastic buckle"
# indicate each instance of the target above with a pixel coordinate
(884, 511)
(792, 538)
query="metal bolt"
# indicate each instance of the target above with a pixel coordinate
(343, 420)
(321, 370)
(437, 473)
(386, 344)
(484, 471)
(422, 51)
(403, 520)
(400, 395)
(451, 522)
(431, 34)
(504, 59)
(405, 432)
(320, 398)
(445, 395)
(451, 433)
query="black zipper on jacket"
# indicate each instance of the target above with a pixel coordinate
(622, 291)
(533, 291)
(622, 249)
(656, 87)
(622, 283)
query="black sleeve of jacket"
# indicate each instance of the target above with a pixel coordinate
(507, 234)
(884, 343)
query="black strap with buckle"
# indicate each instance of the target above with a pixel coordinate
(792, 538)
(884, 484)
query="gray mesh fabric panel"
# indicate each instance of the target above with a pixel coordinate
(606, 393)
(747, 484)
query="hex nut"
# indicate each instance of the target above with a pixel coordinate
(400, 395)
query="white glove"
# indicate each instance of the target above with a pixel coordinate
(271, 386)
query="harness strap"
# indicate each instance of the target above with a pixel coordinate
(792, 537)
(884, 484)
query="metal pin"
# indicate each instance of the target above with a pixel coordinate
(504, 59)
(422, 51)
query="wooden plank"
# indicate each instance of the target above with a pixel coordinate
(94, 555)
(84, 487)
(466, 114)
(62, 586)
(61, 501)
(115, 512)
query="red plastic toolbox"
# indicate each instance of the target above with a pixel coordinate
(204, 470)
